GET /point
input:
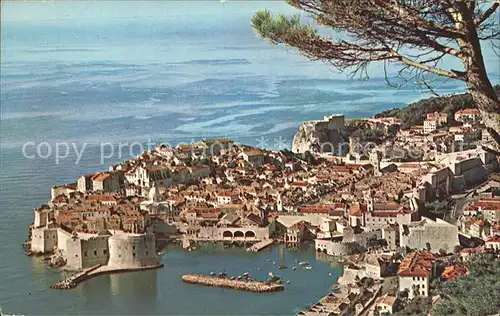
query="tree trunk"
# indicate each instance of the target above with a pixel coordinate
(490, 111)
(480, 87)
(485, 97)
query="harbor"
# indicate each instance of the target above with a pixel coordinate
(241, 285)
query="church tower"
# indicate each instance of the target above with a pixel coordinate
(369, 200)
(375, 162)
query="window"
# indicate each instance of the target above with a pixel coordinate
(95, 252)
(133, 247)
(104, 251)
(85, 253)
(147, 253)
(133, 254)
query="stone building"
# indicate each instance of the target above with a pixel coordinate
(327, 135)
(65, 190)
(437, 234)
(85, 250)
(253, 156)
(43, 239)
(430, 125)
(84, 183)
(391, 234)
(82, 250)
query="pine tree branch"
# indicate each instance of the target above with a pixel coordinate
(487, 14)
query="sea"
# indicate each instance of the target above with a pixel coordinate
(87, 84)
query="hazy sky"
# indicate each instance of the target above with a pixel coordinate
(89, 11)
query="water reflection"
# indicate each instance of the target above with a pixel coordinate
(323, 257)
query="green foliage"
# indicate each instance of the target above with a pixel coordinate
(309, 157)
(415, 113)
(275, 29)
(436, 207)
(417, 306)
(368, 134)
(476, 294)
(355, 248)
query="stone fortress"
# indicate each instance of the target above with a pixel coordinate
(114, 249)
(321, 135)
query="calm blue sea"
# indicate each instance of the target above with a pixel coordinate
(85, 73)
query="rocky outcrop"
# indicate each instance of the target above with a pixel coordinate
(57, 260)
(325, 135)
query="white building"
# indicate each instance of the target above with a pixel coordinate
(415, 273)
(493, 243)
(430, 125)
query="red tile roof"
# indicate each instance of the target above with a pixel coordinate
(453, 272)
(494, 239)
(100, 176)
(468, 112)
(253, 152)
(357, 209)
(417, 264)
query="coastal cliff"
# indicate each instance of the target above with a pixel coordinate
(321, 136)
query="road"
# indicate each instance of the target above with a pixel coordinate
(460, 204)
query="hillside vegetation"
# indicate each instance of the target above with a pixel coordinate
(415, 113)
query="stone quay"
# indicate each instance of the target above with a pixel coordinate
(215, 281)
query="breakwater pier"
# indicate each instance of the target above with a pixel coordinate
(72, 281)
(260, 245)
(242, 285)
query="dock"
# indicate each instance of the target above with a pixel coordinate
(260, 245)
(73, 280)
(241, 285)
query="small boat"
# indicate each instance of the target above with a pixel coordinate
(213, 274)
(294, 268)
(270, 274)
(303, 263)
(329, 273)
(161, 253)
(274, 263)
(239, 277)
(308, 268)
(223, 274)
(281, 267)
(288, 282)
(232, 278)
(269, 260)
(246, 274)
(258, 269)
